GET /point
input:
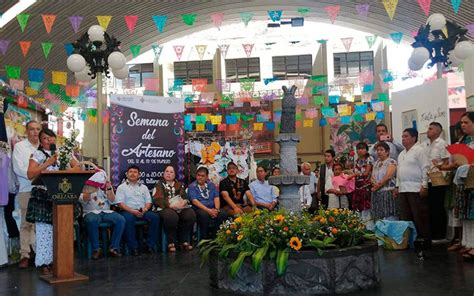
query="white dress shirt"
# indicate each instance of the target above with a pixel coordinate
(436, 150)
(136, 196)
(21, 158)
(412, 169)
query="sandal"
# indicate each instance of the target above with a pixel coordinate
(454, 248)
(171, 248)
(186, 247)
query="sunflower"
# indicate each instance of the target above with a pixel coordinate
(279, 218)
(295, 243)
(241, 236)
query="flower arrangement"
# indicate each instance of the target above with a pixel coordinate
(66, 150)
(275, 234)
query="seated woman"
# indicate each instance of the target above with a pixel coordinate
(173, 206)
(41, 160)
(338, 187)
(206, 203)
(96, 197)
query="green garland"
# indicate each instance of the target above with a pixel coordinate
(65, 151)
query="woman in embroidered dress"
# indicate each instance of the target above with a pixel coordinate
(42, 160)
(384, 204)
(363, 172)
(170, 200)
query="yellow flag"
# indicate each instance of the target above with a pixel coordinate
(370, 116)
(216, 119)
(59, 77)
(308, 123)
(104, 21)
(390, 7)
(207, 115)
(258, 126)
(30, 92)
(200, 127)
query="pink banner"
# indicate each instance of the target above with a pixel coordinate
(425, 6)
(332, 12)
(217, 18)
(178, 49)
(17, 84)
(248, 49)
(131, 21)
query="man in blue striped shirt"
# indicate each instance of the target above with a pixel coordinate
(263, 193)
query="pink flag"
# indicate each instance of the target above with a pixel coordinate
(248, 49)
(347, 42)
(333, 11)
(217, 19)
(224, 48)
(414, 34)
(17, 84)
(363, 9)
(76, 22)
(4, 46)
(425, 6)
(131, 21)
(178, 49)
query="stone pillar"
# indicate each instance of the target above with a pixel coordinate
(380, 63)
(158, 71)
(469, 82)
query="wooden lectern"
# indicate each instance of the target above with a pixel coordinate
(64, 187)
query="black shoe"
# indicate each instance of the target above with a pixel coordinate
(114, 253)
(135, 252)
(96, 254)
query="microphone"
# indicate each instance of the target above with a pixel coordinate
(52, 147)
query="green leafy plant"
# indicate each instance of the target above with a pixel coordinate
(66, 150)
(274, 235)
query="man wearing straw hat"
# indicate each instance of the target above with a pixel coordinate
(435, 148)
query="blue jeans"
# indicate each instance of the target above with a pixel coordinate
(153, 227)
(93, 220)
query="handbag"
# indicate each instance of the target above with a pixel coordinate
(40, 207)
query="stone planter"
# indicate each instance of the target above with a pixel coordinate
(335, 271)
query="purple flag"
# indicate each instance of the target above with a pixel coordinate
(470, 28)
(4, 46)
(363, 9)
(76, 22)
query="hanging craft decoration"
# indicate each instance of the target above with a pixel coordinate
(217, 18)
(248, 49)
(69, 48)
(425, 6)
(160, 22)
(371, 40)
(22, 19)
(390, 7)
(4, 43)
(35, 75)
(157, 49)
(178, 49)
(75, 21)
(347, 42)
(223, 48)
(303, 11)
(456, 4)
(104, 21)
(201, 50)
(72, 90)
(17, 84)
(396, 37)
(59, 77)
(189, 18)
(363, 10)
(48, 21)
(275, 15)
(25, 47)
(135, 49)
(131, 21)
(470, 28)
(332, 12)
(246, 17)
(46, 48)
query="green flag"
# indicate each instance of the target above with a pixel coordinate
(135, 48)
(189, 19)
(13, 72)
(46, 48)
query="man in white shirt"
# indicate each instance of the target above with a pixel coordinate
(21, 157)
(412, 184)
(134, 200)
(384, 136)
(435, 149)
(308, 192)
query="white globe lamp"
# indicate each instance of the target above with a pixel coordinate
(463, 49)
(96, 33)
(437, 21)
(116, 60)
(76, 62)
(121, 73)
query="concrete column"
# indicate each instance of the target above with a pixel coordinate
(380, 63)
(469, 82)
(158, 71)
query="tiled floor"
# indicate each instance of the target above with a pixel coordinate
(162, 274)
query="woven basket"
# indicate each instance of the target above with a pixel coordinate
(469, 184)
(439, 179)
(390, 244)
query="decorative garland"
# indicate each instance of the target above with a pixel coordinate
(65, 151)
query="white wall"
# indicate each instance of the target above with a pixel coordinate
(430, 100)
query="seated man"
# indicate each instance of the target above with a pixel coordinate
(205, 199)
(96, 197)
(232, 192)
(263, 193)
(134, 200)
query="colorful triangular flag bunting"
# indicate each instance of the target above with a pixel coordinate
(371, 40)
(48, 21)
(25, 47)
(456, 4)
(248, 49)
(160, 22)
(217, 18)
(201, 50)
(347, 42)
(104, 21)
(135, 49)
(246, 17)
(131, 21)
(46, 48)
(425, 6)
(332, 12)
(363, 9)
(4, 43)
(189, 18)
(22, 19)
(75, 21)
(178, 49)
(390, 7)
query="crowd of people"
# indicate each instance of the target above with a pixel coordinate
(389, 181)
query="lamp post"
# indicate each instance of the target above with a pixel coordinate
(94, 53)
(443, 42)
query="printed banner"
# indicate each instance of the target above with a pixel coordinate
(146, 136)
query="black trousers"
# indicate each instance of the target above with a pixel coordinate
(12, 228)
(438, 219)
(178, 225)
(415, 208)
(204, 223)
